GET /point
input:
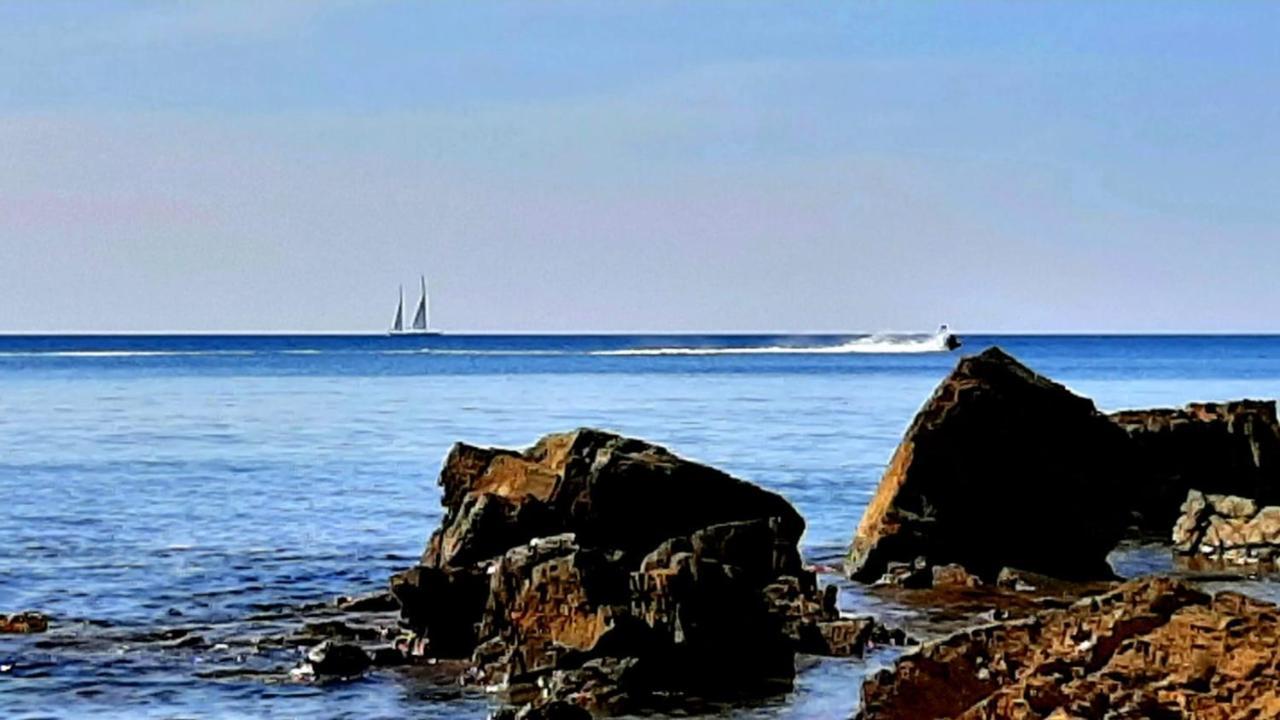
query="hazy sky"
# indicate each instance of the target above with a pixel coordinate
(655, 166)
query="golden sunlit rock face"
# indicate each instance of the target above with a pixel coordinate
(1150, 648)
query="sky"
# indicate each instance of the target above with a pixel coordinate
(737, 166)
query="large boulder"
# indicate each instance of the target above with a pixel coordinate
(603, 572)
(1001, 467)
(1230, 448)
(1153, 648)
(610, 491)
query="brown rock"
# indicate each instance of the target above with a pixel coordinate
(961, 676)
(1153, 648)
(602, 572)
(23, 623)
(610, 491)
(1000, 467)
(955, 576)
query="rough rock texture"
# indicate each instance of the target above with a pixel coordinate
(1225, 530)
(1153, 648)
(1001, 467)
(608, 490)
(23, 623)
(607, 573)
(1221, 448)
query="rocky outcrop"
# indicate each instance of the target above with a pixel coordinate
(608, 490)
(1152, 648)
(1001, 467)
(1228, 531)
(609, 574)
(1228, 448)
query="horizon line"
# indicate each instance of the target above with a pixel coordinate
(625, 333)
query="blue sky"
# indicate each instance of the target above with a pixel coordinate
(655, 166)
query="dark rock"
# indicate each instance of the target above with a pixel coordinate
(1217, 448)
(386, 656)
(24, 623)
(721, 636)
(1000, 467)
(604, 686)
(798, 609)
(605, 572)
(1228, 531)
(610, 491)
(444, 605)
(338, 660)
(372, 602)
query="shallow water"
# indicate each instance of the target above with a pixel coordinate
(195, 480)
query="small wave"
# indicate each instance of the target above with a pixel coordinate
(437, 351)
(124, 353)
(880, 344)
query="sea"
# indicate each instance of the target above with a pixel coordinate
(151, 481)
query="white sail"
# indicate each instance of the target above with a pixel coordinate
(421, 318)
(398, 325)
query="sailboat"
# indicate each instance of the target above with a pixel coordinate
(421, 319)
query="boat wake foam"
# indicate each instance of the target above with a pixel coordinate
(878, 344)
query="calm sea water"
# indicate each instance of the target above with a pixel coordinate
(148, 478)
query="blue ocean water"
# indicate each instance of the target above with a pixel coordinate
(148, 478)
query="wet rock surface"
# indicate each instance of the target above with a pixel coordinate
(1226, 531)
(999, 468)
(1154, 647)
(606, 573)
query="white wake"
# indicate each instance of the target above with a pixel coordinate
(878, 344)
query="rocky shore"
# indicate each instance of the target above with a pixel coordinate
(593, 574)
(607, 574)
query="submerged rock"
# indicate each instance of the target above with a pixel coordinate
(1001, 467)
(24, 623)
(1151, 648)
(1226, 531)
